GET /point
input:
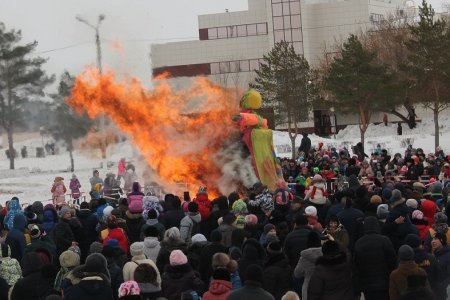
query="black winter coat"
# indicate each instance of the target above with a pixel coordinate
(374, 258)
(295, 243)
(251, 290)
(348, 218)
(398, 232)
(204, 267)
(90, 290)
(194, 254)
(63, 236)
(164, 253)
(172, 218)
(38, 279)
(89, 223)
(252, 254)
(134, 224)
(277, 275)
(331, 279)
(116, 277)
(178, 279)
(4, 288)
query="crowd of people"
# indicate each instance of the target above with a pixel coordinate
(339, 227)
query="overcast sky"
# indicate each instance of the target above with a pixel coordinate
(128, 30)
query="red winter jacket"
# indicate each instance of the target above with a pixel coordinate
(429, 209)
(204, 206)
(218, 290)
(119, 235)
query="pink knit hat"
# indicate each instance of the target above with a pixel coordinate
(177, 258)
(417, 214)
(317, 178)
(251, 219)
(129, 288)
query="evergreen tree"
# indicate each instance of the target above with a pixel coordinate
(67, 124)
(21, 78)
(286, 83)
(429, 63)
(357, 83)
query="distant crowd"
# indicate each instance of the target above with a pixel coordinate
(339, 226)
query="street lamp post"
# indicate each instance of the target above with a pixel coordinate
(96, 28)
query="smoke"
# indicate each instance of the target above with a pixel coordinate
(235, 164)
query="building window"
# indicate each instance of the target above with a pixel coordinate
(242, 30)
(261, 28)
(251, 29)
(244, 65)
(232, 31)
(287, 25)
(212, 33)
(215, 68)
(222, 33)
(376, 18)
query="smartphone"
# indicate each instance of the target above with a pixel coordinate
(186, 196)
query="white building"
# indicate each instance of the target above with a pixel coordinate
(231, 44)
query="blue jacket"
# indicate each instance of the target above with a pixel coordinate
(16, 237)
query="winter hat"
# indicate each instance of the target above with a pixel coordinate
(382, 211)
(376, 199)
(177, 258)
(418, 186)
(69, 259)
(239, 206)
(442, 237)
(35, 231)
(107, 211)
(405, 253)
(199, 239)
(331, 249)
(268, 227)
(229, 219)
(96, 263)
(192, 207)
(412, 203)
(172, 233)
(317, 178)
(417, 214)
(129, 288)
(274, 248)
(152, 214)
(108, 252)
(440, 217)
(413, 240)
(311, 211)
(137, 249)
(95, 247)
(386, 193)
(436, 188)
(112, 243)
(272, 237)
(216, 236)
(251, 219)
(221, 274)
(151, 231)
(64, 210)
(254, 273)
(84, 205)
(395, 197)
(202, 190)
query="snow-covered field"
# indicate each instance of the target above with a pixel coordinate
(33, 177)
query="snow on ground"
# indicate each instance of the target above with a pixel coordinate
(33, 177)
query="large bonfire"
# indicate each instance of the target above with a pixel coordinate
(179, 133)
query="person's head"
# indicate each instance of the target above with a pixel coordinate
(177, 258)
(405, 253)
(313, 240)
(65, 213)
(172, 233)
(215, 236)
(111, 222)
(290, 296)
(193, 207)
(300, 220)
(220, 260)
(69, 259)
(151, 231)
(95, 173)
(145, 273)
(152, 214)
(333, 222)
(137, 249)
(221, 274)
(255, 274)
(129, 290)
(439, 241)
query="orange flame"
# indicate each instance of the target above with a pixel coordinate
(178, 133)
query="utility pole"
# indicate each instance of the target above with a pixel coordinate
(101, 17)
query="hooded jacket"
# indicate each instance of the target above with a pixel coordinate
(252, 254)
(398, 232)
(151, 248)
(190, 225)
(37, 281)
(218, 290)
(204, 206)
(277, 275)
(135, 199)
(331, 279)
(305, 267)
(50, 218)
(374, 257)
(9, 267)
(16, 237)
(13, 210)
(119, 235)
(178, 279)
(398, 278)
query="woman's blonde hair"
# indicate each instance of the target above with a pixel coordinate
(290, 296)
